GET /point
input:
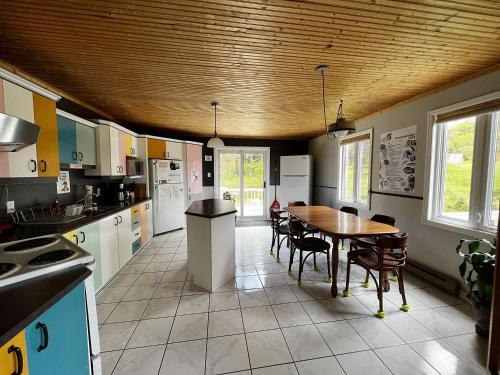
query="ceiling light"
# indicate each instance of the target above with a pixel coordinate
(340, 127)
(215, 141)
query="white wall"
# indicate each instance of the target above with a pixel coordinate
(428, 245)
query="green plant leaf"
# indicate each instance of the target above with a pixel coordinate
(463, 267)
(474, 246)
(459, 246)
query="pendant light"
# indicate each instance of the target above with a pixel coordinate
(215, 141)
(340, 127)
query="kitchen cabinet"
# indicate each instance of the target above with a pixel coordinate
(111, 156)
(57, 341)
(18, 102)
(110, 261)
(157, 148)
(47, 145)
(117, 149)
(130, 145)
(146, 210)
(14, 357)
(88, 239)
(124, 236)
(77, 142)
(174, 150)
(193, 172)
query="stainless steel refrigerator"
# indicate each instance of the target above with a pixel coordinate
(167, 190)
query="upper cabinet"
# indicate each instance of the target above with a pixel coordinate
(47, 145)
(174, 150)
(157, 148)
(77, 141)
(131, 145)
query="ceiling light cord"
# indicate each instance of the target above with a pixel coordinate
(324, 107)
(215, 133)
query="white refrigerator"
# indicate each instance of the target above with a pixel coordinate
(167, 190)
(295, 179)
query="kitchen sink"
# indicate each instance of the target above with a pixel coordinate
(53, 220)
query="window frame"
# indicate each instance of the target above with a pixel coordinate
(358, 169)
(481, 179)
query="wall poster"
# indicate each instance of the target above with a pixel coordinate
(63, 183)
(398, 150)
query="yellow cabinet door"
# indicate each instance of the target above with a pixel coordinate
(72, 236)
(47, 146)
(11, 355)
(128, 145)
(157, 149)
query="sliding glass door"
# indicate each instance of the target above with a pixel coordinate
(241, 176)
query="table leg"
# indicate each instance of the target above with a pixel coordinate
(335, 265)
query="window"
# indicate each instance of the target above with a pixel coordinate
(355, 166)
(464, 180)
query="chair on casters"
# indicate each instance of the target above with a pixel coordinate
(310, 245)
(387, 255)
(279, 228)
(366, 242)
(348, 210)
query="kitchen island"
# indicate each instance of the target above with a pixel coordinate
(211, 242)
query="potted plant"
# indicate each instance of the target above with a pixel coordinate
(477, 269)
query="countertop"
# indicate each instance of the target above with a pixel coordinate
(21, 232)
(211, 208)
(23, 302)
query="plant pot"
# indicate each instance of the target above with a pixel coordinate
(482, 315)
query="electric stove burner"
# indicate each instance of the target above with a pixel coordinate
(6, 267)
(51, 257)
(30, 244)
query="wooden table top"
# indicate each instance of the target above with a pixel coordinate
(339, 224)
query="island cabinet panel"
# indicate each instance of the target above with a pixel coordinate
(57, 341)
(66, 130)
(109, 247)
(47, 146)
(13, 356)
(157, 149)
(18, 102)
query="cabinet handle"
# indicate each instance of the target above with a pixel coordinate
(121, 219)
(80, 156)
(83, 236)
(44, 165)
(115, 220)
(74, 155)
(19, 357)
(76, 238)
(45, 336)
(117, 169)
(34, 165)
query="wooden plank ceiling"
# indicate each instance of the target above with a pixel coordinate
(161, 63)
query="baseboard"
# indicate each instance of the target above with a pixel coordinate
(434, 277)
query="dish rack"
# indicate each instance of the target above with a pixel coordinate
(27, 215)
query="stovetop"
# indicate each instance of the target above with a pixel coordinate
(25, 259)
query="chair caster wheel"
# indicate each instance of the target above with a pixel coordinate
(365, 285)
(299, 283)
(394, 279)
(315, 268)
(289, 273)
(329, 280)
(271, 252)
(277, 259)
(346, 293)
(380, 314)
(405, 308)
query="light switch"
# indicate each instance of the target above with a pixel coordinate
(209, 174)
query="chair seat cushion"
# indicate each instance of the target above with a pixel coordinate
(368, 258)
(364, 242)
(311, 244)
(283, 229)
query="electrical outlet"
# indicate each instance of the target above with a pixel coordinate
(10, 207)
(209, 174)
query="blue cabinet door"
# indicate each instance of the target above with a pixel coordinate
(66, 134)
(67, 349)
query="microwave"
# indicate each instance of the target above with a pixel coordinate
(135, 167)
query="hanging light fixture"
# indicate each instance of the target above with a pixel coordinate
(215, 141)
(340, 127)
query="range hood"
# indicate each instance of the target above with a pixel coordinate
(16, 133)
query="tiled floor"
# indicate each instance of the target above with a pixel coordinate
(155, 321)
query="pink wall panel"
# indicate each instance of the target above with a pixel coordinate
(194, 169)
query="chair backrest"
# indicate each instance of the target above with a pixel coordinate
(350, 210)
(296, 228)
(395, 247)
(274, 215)
(384, 219)
(296, 204)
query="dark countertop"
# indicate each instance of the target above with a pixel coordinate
(211, 208)
(21, 232)
(23, 302)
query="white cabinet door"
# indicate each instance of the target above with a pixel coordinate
(124, 236)
(110, 260)
(114, 149)
(174, 150)
(86, 144)
(18, 102)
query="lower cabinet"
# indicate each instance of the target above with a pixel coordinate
(13, 356)
(146, 210)
(88, 239)
(124, 237)
(110, 261)
(57, 341)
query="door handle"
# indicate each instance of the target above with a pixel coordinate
(83, 235)
(75, 236)
(80, 154)
(117, 169)
(19, 358)
(34, 165)
(45, 336)
(121, 219)
(115, 220)
(74, 155)
(44, 165)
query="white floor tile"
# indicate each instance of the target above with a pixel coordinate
(226, 354)
(259, 318)
(149, 278)
(267, 348)
(140, 292)
(350, 307)
(248, 282)
(375, 333)
(227, 322)
(280, 294)
(109, 361)
(126, 311)
(437, 323)
(161, 308)
(305, 342)
(253, 297)
(321, 311)
(172, 276)
(157, 267)
(405, 361)
(189, 327)
(193, 304)
(471, 346)
(288, 369)
(151, 332)
(108, 294)
(291, 314)
(362, 363)
(186, 358)
(169, 289)
(409, 329)
(320, 366)
(224, 301)
(144, 361)
(115, 336)
(341, 337)
(104, 310)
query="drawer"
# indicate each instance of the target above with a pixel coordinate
(135, 222)
(136, 245)
(136, 233)
(134, 211)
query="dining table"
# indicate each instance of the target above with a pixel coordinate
(338, 225)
